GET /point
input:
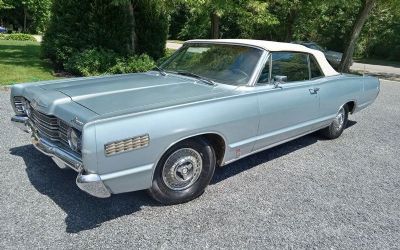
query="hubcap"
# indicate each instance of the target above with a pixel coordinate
(182, 169)
(339, 119)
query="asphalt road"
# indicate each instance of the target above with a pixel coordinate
(381, 71)
(309, 193)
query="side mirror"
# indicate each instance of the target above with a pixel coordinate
(278, 80)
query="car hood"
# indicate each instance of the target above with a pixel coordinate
(135, 92)
(333, 54)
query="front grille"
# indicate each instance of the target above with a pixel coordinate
(49, 126)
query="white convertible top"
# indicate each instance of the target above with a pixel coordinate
(277, 46)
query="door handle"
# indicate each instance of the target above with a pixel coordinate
(313, 91)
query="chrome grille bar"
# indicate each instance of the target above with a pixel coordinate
(49, 126)
(19, 103)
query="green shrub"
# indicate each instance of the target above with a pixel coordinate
(99, 61)
(73, 33)
(78, 25)
(132, 64)
(91, 62)
(17, 37)
(152, 21)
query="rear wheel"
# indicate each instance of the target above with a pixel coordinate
(183, 172)
(337, 126)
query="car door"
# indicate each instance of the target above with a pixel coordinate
(288, 98)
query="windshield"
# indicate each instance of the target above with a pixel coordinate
(223, 63)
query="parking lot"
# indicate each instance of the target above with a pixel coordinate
(308, 193)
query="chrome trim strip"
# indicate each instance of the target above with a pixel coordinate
(281, 131)
(126, 172)
(273, 145)
(126, 145)
(49, 148)
(258, 69)
(216, 41)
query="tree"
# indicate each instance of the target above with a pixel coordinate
(131, 5)
(179, 17)
(105, 27)
(38, 12)
(157, 15)
(367, 6)
(288, 13)
(249, 15)
(32, 15)
(95, 24)
(5, 5)
(381, 34)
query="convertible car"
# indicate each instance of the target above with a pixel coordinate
(211, 103)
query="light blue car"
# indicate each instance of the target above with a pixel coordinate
(211, 103)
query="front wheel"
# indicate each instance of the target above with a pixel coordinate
(337, 126)
(183, 172)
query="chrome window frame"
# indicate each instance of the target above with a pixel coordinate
(269, 56)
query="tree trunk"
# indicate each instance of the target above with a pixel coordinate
(133, 32)
(291, 18)
(362, 17)
(215, 20)
(25, 13)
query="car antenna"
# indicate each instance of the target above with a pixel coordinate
(365, 70)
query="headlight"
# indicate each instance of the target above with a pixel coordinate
(27, 108)
(74, 139)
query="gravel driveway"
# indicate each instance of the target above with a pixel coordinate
(309, 193)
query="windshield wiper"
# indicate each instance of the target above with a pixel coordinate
(204, 79)
(162, 72)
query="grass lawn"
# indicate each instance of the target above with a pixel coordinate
(20, 62)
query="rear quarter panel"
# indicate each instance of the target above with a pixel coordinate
(370, 92)
(338, 90)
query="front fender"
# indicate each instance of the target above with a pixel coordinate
(234, 119)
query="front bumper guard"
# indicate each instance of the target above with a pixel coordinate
(87, 182)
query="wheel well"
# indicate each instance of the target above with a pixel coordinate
(217, 143)
(351, 105)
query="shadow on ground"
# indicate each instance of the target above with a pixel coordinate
(85, 212)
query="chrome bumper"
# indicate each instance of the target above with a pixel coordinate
(89, 183)
(93, 185)
(21, 122)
